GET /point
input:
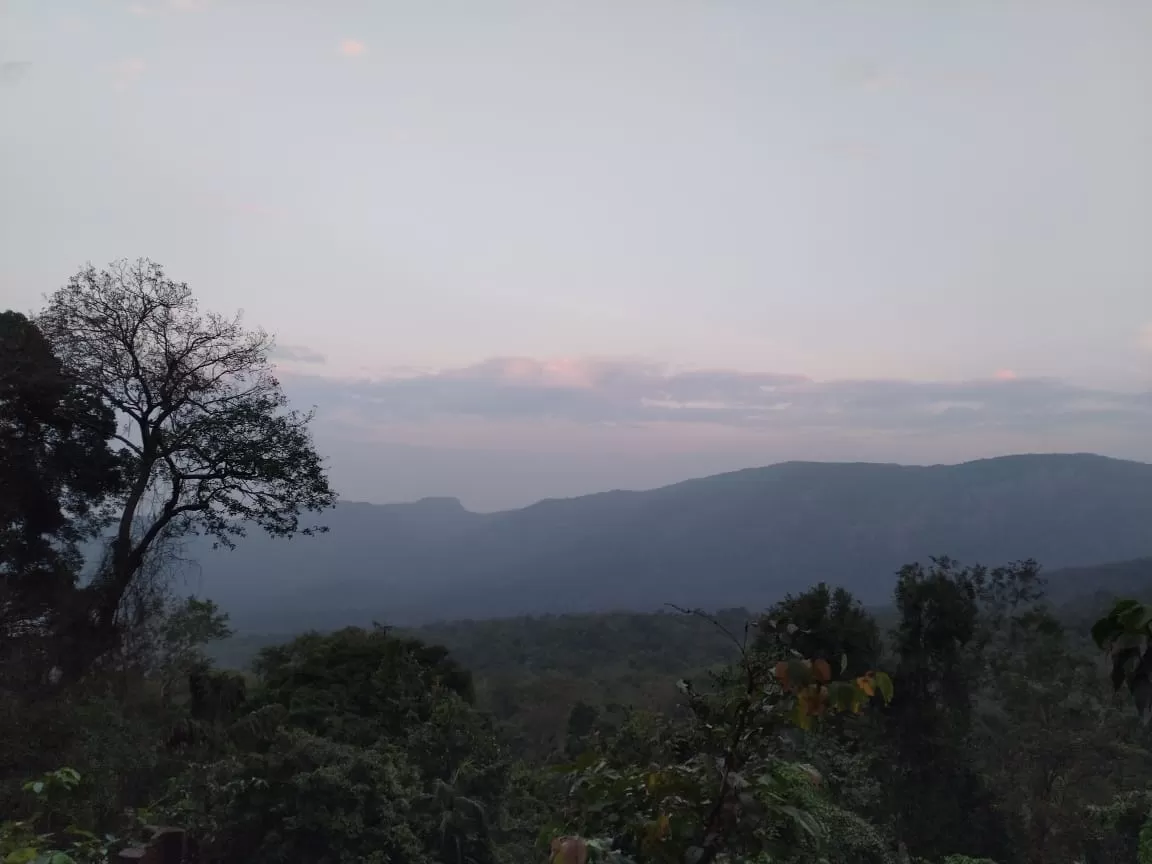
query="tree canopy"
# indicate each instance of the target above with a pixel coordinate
(209, 443)
(56, 466)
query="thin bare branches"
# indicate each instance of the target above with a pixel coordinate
(210, 432)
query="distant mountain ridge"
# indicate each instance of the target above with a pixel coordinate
(743, 538)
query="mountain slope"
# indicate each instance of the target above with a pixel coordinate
(738, 539)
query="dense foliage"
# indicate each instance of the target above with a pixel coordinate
(973, 727)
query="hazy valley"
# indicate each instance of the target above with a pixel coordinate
(743, 539)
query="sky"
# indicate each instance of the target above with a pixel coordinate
(514, 250)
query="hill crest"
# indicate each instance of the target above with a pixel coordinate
(738, 539)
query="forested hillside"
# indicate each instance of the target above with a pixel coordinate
(970, 719)
(666, 642)
(530, 672)
(756, 534)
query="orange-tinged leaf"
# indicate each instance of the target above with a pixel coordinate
(819, 699)
(812, 773)
(812, 700)
(805, 700)
(782, 674)
(822, 671)
(569, 850)
(799, 673)
(865, 683)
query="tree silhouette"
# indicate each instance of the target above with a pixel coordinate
(56, 469)
(210, 443)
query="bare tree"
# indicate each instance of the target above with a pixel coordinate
(203, 420)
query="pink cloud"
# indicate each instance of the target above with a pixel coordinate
(352, 48)
(1146, 337)
(561, 372)
(513, 401)
(127, 71)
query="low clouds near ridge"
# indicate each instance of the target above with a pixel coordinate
(297, 354)
(639, 392)
(510, 431)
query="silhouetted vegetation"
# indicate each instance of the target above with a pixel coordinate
(971, 725)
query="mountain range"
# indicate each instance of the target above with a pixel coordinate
(743, 538)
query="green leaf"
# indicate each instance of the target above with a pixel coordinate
(799, 673)
(1105, 631)
(842, 694)
(61, 858)
(68, 776)
(799, 716)
(1135, 618)
(884, 685)
(1144, 849)
(1127, 617)
(21, 856)
(804, 821)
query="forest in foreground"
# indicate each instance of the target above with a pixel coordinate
(974, 724)
(993, 733)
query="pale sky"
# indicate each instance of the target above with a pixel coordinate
(525, 249)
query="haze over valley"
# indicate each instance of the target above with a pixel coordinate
(630, 432)
(743, 539)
